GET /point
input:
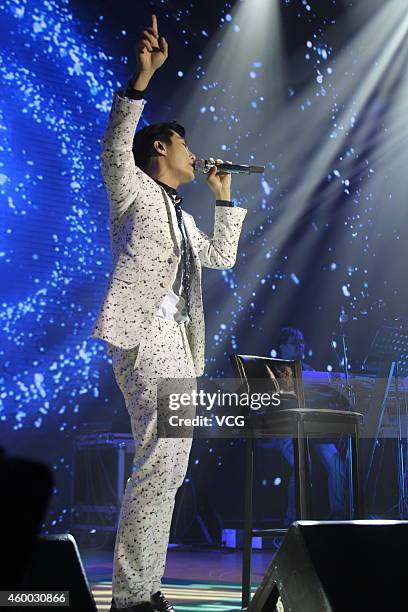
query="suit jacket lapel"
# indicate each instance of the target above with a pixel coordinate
(171, 215)
(174, 229)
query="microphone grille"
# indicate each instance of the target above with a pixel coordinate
(200, 165)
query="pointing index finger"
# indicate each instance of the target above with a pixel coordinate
(154, 25)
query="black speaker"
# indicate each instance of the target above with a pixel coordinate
(26, 487)
(55, 565)
(347, 566)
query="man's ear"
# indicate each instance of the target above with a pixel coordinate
(159, 147)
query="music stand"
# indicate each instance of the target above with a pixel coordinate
(389, 344)
(389, 351)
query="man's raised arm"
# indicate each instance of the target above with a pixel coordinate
(121, 175)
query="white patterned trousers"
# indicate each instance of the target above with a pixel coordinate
(160, 464)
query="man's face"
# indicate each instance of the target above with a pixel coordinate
(180, 160)
(294, 348)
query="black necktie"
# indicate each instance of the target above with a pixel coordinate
(185, 253)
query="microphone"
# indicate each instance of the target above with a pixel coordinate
(205, 165)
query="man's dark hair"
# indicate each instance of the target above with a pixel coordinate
(290, 333)
(143, 149)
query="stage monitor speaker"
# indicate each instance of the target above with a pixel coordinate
(26, 487)
(56, 565)
(345, 566)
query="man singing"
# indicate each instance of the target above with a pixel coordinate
(152, 313)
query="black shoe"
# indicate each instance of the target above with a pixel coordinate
(146, 606)
(160, 603)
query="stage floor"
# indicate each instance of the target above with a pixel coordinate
(195, 579)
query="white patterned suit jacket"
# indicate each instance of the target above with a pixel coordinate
(145, 244)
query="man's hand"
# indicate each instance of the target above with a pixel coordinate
(151, 53)
(219, 182)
